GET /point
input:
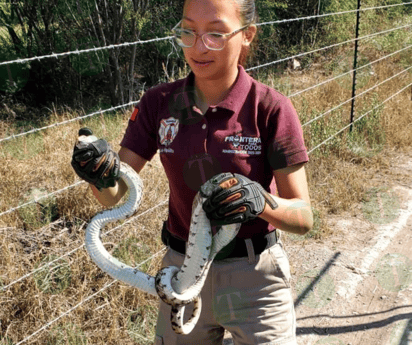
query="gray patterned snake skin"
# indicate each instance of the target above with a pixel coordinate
(175, 286)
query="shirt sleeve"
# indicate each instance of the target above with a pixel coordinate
(286, 143)
(140, 136)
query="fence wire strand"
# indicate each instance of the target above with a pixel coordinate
(82, 302)
(40, 198)
(351, 71)
(328, 47)
(4, 288)
(90, 50)
(128, 44)
(330, 14)
(34, 130)
(360, 117)
(350, 99)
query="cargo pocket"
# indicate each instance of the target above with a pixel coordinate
(281, 262)
(158, 340)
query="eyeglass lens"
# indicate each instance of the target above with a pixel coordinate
(211, 41)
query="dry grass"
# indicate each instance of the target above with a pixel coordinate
(338, 175)
(26, 245)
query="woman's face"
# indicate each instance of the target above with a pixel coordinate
(202, 16)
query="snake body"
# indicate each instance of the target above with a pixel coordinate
(175, 286)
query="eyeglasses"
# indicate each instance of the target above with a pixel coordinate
(212, 40)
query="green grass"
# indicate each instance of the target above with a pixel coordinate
(132, 252)
(40, 212)
(54, 278)
(67, 334)
(141, 325)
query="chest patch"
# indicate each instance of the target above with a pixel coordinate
(168, 130)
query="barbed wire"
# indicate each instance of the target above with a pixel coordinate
(154, 255)
(83, 301)
(352, 70)
(121, 106)
(34, 130)
(249, 69)
(360, 117)
(128, 44)
(350, 99)
(303, 125)
(330, 14)
(80, 247)
(37, 199)
(90, 50)
(328, 47)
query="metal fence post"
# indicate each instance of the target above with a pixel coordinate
(355, 64)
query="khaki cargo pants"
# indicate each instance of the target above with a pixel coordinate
(250, 297)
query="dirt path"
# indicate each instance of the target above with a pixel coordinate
(355, 287)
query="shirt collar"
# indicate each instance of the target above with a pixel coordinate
(236, 97)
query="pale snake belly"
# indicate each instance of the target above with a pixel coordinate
(175, 286)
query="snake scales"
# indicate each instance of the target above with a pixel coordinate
(175, 286)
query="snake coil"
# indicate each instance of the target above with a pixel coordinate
(175, 286)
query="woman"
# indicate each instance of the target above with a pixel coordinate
(221, 123)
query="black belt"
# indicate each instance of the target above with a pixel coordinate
(235, 249)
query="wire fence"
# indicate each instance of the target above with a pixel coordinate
(45, 196)
(130, 220)
(350, 99)
(153, 40)
(35, 130)
(359, 118)
(82, 302)
(60, 55)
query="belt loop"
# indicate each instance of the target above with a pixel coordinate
(250, 251)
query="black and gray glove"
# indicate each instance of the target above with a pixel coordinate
(94, 161)
(253, 199)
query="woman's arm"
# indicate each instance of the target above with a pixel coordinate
(111, 196)
(294, 213)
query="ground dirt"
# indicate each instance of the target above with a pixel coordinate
(355, 286)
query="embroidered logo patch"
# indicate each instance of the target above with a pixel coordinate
(240, 144)
(168, 130)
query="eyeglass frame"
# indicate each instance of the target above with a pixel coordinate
(226, 36)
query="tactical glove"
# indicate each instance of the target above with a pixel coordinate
(253, 199)
(94, 161)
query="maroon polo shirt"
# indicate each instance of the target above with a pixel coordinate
(252, 132)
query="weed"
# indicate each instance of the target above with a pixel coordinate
(53, 278)
(66, 334)
(41, 211)
(141, 324)
(132, 252)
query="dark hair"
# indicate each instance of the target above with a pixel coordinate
(247, 11)
(248, 15)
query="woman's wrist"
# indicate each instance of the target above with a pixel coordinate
(110, 196)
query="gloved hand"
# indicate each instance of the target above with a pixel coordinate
(94, 161)
(251, 202)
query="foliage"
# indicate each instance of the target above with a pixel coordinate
(116, 76)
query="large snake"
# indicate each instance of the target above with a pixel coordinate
(177, 286)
